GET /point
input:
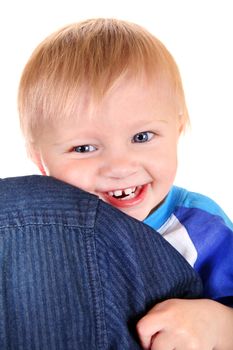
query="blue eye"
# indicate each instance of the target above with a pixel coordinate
(84, 148)
(143, 136)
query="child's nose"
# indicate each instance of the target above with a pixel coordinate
(119, 167)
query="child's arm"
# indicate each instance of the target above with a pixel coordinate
(180, 324)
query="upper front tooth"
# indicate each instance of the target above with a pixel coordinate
(129, 190)
(117, 193)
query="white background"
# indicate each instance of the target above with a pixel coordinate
(199, 34)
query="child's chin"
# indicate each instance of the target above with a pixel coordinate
(134, 213)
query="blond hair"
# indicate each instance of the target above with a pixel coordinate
(93, 54)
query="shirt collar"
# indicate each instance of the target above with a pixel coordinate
(158, 217)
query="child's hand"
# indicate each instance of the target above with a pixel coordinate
(181, 324)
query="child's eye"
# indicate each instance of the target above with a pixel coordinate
(84, 148)
(143, 136)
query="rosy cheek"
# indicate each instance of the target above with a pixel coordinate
(69, 173)
(79, 175)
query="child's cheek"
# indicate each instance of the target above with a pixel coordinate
(78, 174)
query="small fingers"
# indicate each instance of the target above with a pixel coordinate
(147, 328)
(162, 341)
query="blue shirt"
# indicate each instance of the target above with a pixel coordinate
(199, 229)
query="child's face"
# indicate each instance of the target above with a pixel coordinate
(124, 150)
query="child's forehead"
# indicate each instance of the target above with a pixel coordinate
(128, 90)
(139, 97)
(140, 100)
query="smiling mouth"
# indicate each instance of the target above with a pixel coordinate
(125, 194)
(127, 197)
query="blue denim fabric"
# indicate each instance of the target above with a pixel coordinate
(75, 273)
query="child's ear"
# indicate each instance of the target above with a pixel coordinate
(35, 156)
(182, 123)
(181, 127)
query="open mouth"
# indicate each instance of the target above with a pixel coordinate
(125, 194)
(126, 197)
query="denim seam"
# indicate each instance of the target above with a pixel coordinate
(96, 290)
(105, 337)
(42, 217)
(43, 224)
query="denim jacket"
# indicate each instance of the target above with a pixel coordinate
(76, 273)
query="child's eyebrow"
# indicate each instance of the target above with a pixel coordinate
(68, 142)
(143, 122)
(141, 125)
